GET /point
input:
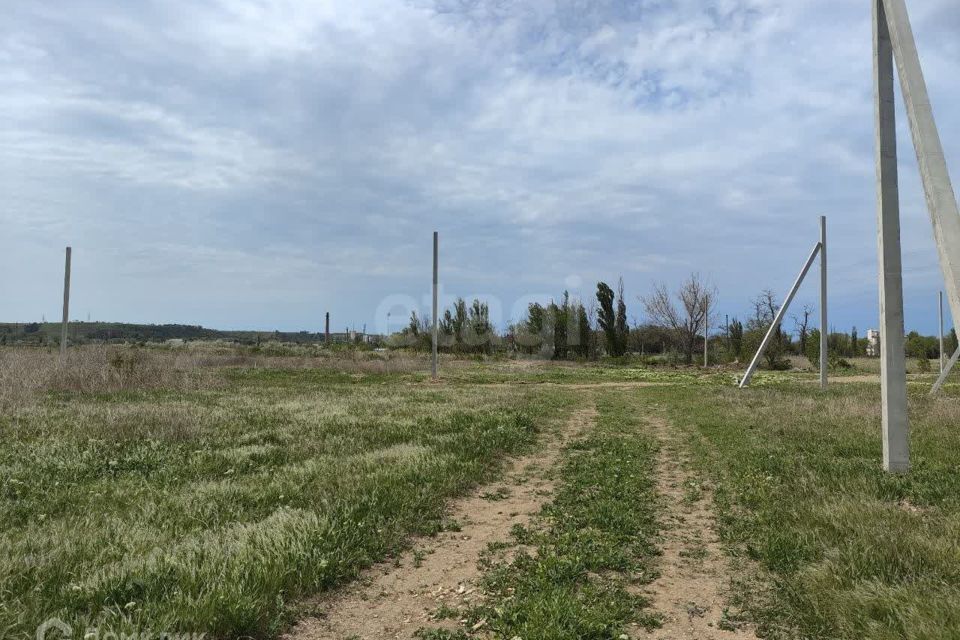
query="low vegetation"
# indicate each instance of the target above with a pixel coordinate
(213, 488)
(836, 547)
(576, 573)
(213, 508)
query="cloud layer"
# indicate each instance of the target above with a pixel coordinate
(255, 163)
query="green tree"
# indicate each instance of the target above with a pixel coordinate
(560, 319)
(735, 331)
(479, 334)
(607, 319)
(622, 329)
(813, 348)
(584, 332)
(530, 333)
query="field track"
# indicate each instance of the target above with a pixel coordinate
(394, 600)
(691, 591)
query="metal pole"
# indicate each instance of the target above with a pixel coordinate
(942, 354)
(893, 365)
(824, 326)
(436, 271)
(66, 306)
(779, 318)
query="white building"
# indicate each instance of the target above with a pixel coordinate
(873, 343)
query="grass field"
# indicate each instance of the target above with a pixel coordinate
(214, 509)
(216, 492)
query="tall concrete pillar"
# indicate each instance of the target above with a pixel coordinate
(66, 306)
(824, 326)
(436, 277)
(941, 199)
(326, 331)
(893, 371)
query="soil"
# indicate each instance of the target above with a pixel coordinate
(694, 579)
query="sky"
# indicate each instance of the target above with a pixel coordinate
(256, 163)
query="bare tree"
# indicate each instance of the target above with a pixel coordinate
(803, 326)
(688, 320)
(765, 307)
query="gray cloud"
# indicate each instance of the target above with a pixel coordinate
(254, 162)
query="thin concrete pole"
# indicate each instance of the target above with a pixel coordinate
(66, 306)
(946, 372)
(893, 366)
(940, 315)
(941, 199)
(436, 273)
(706, 332)
(779, 317)
(824, 326)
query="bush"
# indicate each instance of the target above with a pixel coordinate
(813, 348)
(774, 359)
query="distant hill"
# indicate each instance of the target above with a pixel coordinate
(48, 333)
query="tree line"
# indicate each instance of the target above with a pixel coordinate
(676, 325)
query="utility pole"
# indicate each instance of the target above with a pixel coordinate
(893, 366)
(436, 272)
(66, 307)
(706, 332)
(824, 337)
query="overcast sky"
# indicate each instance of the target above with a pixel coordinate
(254, 163)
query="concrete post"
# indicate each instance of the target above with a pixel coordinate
(941, 199)
(706, 333)
(893, 366)
(824, 326)
(326, 330)
(946, 372)
(66, 306)
(436, 273)
(940, 316)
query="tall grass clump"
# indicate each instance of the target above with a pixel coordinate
(27, 373)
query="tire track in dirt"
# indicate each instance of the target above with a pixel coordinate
(694, 571)
(390, 601)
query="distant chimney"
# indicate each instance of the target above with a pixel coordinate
(326, 331)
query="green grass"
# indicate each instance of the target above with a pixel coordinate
(221, 506)
(217, 510)
(845, 550)
(572, 576)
